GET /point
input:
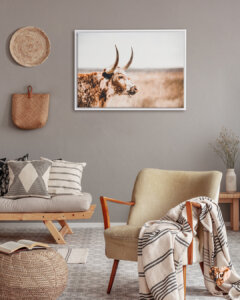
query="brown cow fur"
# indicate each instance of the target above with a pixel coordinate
(89, 91)
(94, 89)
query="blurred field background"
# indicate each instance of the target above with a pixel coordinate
(162, 88)
(156, 89)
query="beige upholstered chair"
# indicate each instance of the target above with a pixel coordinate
(155, 192)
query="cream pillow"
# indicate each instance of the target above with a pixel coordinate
(65, 177)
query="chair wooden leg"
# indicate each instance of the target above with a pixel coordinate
(202, 267)
(112, 276)
(184, 279)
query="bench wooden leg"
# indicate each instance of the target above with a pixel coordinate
(65, 227)
(54, 232)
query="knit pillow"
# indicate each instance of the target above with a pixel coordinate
(2, 163)
(65, 177)
(4, 174)
(28, 179)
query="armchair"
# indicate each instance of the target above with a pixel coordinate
(154, 193)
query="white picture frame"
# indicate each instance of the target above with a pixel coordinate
(84, 47)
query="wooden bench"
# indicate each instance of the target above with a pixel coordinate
(233, 200)
(48, 219)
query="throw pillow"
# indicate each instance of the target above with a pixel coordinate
(4, 174)
(65, 177)
(28, 179)
(2, 162)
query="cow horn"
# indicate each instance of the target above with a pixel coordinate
(115, 64)
(130, 61)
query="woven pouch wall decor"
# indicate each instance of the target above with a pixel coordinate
(30, 111)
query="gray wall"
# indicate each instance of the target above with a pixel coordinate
(116, 145)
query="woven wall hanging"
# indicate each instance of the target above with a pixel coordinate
(30, 111)
(29, 46)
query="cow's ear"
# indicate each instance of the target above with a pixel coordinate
(106, 75)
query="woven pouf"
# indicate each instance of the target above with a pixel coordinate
(37, 274)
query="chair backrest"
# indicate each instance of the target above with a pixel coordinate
(156, 191)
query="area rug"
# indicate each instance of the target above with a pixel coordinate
(89, 281)
(74, 255)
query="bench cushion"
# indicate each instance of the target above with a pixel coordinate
(59, 203)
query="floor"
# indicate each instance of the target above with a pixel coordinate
(89, 281)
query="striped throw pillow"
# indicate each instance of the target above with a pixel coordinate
(65, 177)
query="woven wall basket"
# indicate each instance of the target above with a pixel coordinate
(29, 46)
(30, 111)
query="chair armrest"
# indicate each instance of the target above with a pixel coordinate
(189, 206)
(105, 211)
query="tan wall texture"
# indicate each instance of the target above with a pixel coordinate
(116, 145)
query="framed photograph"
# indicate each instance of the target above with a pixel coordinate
(130, 70)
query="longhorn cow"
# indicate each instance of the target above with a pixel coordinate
(95, 89)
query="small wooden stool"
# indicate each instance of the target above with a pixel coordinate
(233, 199)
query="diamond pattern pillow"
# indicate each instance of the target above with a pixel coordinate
(28, 179)
(4, 174)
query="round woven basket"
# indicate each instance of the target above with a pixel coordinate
(29, 46)
(37, 274)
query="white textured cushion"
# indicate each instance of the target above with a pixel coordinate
(60, 203)
(65, 177)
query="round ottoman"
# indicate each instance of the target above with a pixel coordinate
(36, 274)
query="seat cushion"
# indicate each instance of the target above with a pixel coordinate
(59, 203)
(122, 241)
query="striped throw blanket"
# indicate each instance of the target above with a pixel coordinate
(162, 245)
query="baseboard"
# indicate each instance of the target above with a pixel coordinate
(77, 224)
(72, 224)
(93, 224)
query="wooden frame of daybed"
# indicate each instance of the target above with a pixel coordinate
(48, 219)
